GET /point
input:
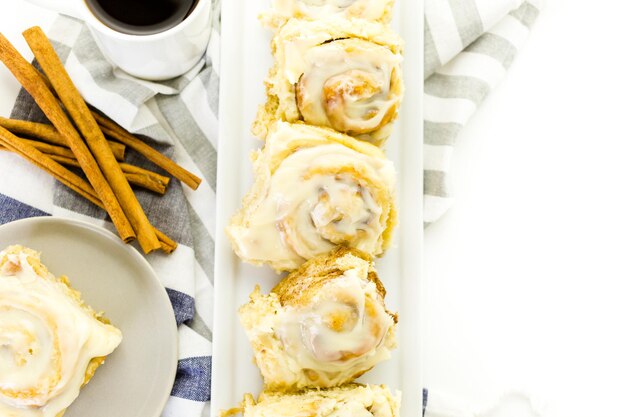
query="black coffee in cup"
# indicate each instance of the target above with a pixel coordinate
(141, 17)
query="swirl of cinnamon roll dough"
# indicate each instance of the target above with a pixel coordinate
(336, 73)
(50, 342)
(325, 324)
(372, 10)
(315, 189)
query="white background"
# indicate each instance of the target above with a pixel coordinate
(526, 275)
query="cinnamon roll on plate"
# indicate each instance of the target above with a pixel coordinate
(51, 342)
(314, 189)
(323, 325)
(338, 73)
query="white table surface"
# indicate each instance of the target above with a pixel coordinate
(526, 275)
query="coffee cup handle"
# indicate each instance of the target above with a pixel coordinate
(68, 7)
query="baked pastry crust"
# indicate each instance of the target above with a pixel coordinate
(283, 10)
(324, 325)
(337, 73)
(58, 347)
(352, 400)
(314, 189)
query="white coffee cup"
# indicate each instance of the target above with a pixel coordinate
(158, 56)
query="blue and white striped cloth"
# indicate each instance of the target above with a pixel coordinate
(468, 46)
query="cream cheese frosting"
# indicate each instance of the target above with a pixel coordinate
(311, 195)
(342, 328)
(347, 85)
(316, 9)
(340, 73)
(320, 328)
(47, 339)
(343, 81)
(373, 10)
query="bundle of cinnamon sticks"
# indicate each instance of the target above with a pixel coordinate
(78, 138)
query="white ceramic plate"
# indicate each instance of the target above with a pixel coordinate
(137, 378)
(245, 60)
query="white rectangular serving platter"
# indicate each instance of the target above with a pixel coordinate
(245, 60)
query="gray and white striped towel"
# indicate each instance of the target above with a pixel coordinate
(469, 45)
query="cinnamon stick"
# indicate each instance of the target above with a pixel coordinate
(81, 115)
(48, 133)
(36, 157)
(65, 176)
(37, 130)
(168, 245)
(49, 149)
(33, 83)
(53, 149)
(145, 178)
(118, 149)
(115, 131)
(135, 175)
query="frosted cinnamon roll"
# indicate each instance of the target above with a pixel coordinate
(315, 189)
(336, 73)
(282, 10)
(51, 342)
(324, 325)
(351, 400)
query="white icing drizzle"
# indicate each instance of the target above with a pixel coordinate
(341, 330)
(313, 201)
(318, 9)
(347, 85)
(46, 342)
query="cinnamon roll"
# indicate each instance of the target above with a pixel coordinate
(315, 189)
(353, 400)
(338, 73)
(51, 342)
(324, 325)
(282, 10)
